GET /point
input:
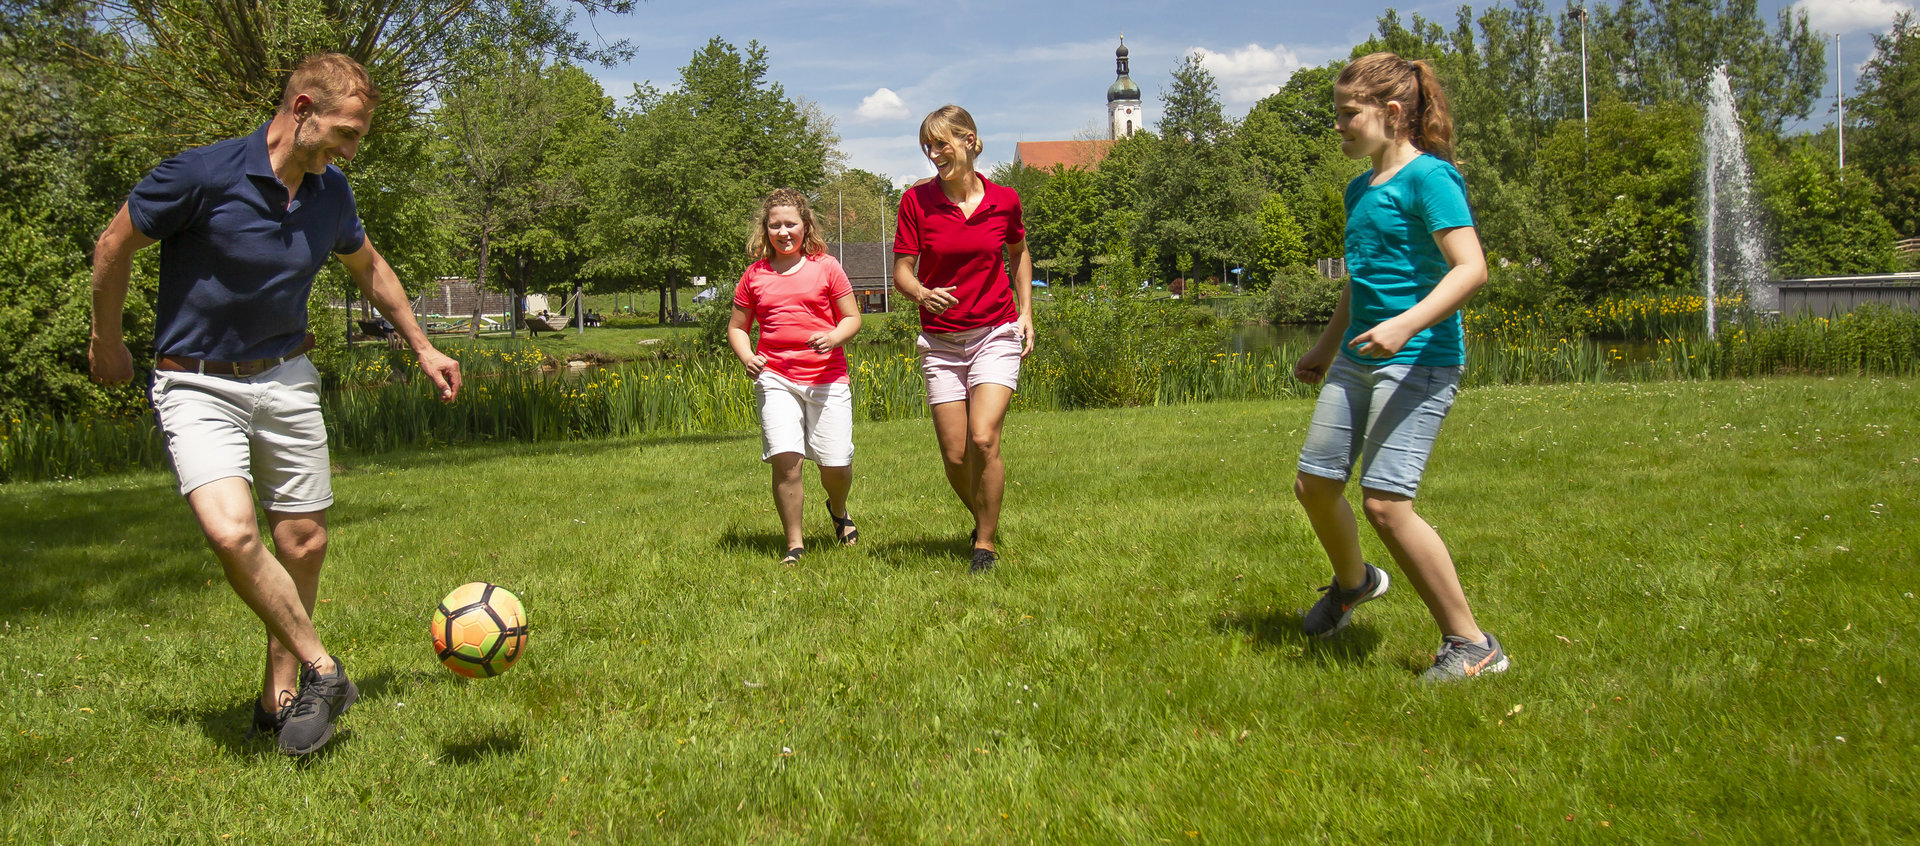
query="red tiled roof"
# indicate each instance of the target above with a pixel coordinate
(1074, 154)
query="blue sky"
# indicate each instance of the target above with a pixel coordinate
(1039, 70)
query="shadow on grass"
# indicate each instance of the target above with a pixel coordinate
(492, 743)
(87, 551)
(474, 452)
(736, 540)
(400, 683)
(230, 727)
(923, 552)
(1353, 646)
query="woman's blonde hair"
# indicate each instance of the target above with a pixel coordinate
(1378, 78)
(811, 244)
(948, 123)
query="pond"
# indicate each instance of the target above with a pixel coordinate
(1256, 337)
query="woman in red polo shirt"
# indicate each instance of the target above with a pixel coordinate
(977, 327)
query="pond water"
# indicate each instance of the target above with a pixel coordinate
(1254, 337)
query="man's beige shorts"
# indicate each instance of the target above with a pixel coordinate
(266, 429)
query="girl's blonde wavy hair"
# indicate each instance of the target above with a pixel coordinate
(811, 244)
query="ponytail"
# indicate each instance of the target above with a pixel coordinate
(1430, 122)
(1378, 78)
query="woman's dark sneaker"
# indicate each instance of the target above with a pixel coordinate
(1460, 658)
(1336, 604)
(983, 560)
(321, 701)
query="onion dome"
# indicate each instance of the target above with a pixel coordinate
(1123, 87)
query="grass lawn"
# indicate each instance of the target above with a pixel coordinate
(1708, 591)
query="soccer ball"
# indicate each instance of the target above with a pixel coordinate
(479, 630)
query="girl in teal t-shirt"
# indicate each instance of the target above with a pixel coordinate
(1392, 355)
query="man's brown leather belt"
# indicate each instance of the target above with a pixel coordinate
(243, 369)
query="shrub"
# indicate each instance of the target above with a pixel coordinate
(1300, 294)
(629, 321)
(1106, 348)
(712, 316)
(903, 324)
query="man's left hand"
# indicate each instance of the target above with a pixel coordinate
(444, 371)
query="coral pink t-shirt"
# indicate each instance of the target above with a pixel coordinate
(790, 308)
(962, 252)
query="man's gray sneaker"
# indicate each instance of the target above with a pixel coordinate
(1459, 659)
(1336, 604)
(322, 699)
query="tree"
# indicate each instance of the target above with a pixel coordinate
(1025, 181)
(1289, 138)
(517, 138)
(212, 68)
(1634, 220)
(1818, 223)
(1198, 194)
(856, 206)
(64, 169)
(1886, 136)
(1280, 246)
(1064, 220)
(690, 165)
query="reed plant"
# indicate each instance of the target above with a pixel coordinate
(54, 448)
(1094, 352)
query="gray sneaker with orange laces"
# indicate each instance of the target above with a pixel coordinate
(1336, 604)
(1460, 658)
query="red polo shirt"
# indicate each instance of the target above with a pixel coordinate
(962, 253)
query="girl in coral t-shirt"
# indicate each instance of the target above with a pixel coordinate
(804, 304)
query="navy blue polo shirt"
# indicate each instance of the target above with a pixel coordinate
(236, 259)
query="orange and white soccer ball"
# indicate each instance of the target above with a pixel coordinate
(479, 630)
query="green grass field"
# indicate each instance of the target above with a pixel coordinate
(1708, 591)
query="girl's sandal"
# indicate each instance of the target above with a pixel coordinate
(844, 527)
(793, 556)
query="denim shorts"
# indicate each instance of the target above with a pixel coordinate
(1386, 416)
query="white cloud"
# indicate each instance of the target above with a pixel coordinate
(1251, 72)
(882, 104)
(1848, 16)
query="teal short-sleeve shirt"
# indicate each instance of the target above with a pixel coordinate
(1393, 261)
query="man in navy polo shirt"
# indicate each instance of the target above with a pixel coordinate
(244, 225)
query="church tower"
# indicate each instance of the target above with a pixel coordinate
(1123, 99)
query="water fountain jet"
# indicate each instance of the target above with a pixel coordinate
(1735, 242)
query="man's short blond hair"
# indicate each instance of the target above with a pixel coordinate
(329, 78)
